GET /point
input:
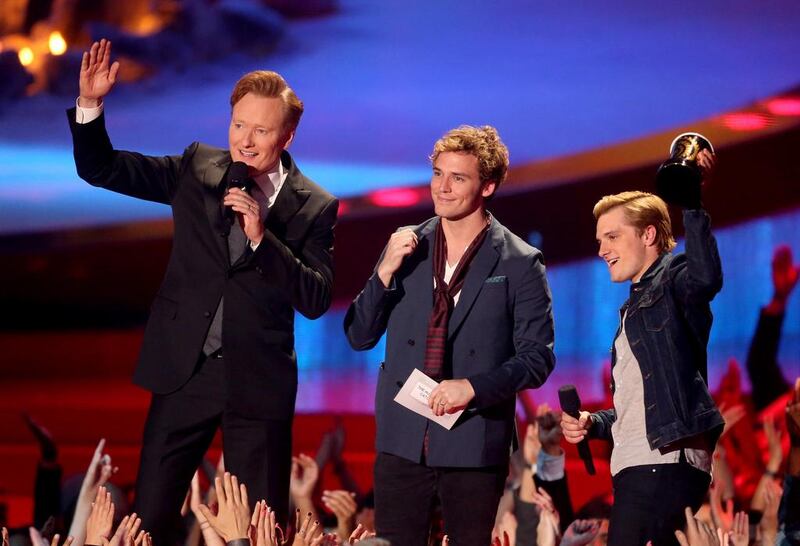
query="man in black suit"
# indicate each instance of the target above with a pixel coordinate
(218, 348)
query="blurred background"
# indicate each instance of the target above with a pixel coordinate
(588, 99)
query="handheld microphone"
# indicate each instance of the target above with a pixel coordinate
(571, 405)
(237, 177)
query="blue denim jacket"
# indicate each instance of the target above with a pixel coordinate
(668, 322)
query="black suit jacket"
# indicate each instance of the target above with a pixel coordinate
(291, 269)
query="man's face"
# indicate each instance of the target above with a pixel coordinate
(257, 135)
(456, 186)
(627, 252)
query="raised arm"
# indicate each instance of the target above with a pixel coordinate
(368, 315)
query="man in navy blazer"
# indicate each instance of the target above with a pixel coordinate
(496, 339)
(218, 348)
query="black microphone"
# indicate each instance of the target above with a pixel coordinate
(237, 177)
(571, 405)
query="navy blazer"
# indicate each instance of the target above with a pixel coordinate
(500, 337)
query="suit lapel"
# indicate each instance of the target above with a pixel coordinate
(290, 199)
(479, 270)
(213, 186)
(420, 282)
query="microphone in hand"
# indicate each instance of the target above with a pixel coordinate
(571, 405)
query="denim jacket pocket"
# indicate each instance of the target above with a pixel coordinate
(654, 310)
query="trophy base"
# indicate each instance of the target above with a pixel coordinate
(678, 183)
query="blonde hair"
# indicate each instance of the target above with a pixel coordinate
(482, 142)
(641, 210)
(266, 83)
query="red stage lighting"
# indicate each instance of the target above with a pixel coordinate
(787, 106)
(395, 197)
(746, 121)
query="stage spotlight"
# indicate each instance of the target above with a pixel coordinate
(25, 56)
(56, 43)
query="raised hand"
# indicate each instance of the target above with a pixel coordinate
(793, 415)
(401, 244)
(97, 75)
(98, 526)
(775, 448)
(784, 272)
(362, 533)
(305, 474)
(549, 429)
(697, 532)
(731, 415)
(210, 536)
(233, 518)
(307, 531)
(706, 161)
(127, 531)
(769, 519)
(739, 534)
(580, 532)
(722, 516)
(531, 445)
(343, 505)
(266, 529)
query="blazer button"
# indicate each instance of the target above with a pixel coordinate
(472, 352)
(260, 272)
(411, 342)
(207, 314)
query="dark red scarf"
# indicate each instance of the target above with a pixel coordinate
(443, 297)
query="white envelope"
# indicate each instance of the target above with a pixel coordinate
(414, 395)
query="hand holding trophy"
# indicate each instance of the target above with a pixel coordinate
(679, 179)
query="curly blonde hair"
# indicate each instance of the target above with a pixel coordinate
(482, 142)
(642, 209)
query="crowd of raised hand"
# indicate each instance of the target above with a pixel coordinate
(754, 497)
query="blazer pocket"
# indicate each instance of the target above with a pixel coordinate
(164, 307)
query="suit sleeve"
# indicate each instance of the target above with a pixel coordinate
(368, 315)
(129, 173)
(309, 275)
(533, 358)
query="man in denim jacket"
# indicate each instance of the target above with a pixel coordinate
(664, 423)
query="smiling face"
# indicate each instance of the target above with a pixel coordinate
(257, 134)
(456, 186)
(627, 251)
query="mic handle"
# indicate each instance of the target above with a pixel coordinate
(570, 404)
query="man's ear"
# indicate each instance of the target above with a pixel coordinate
(488, 188)
(649, 235)
(289, 139)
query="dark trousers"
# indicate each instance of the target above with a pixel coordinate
(179, 429)
(649, 502)
(404, 498)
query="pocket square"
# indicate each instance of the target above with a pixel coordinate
(497, 279)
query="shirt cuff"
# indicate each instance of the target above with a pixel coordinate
(87, 115)
(550, 467)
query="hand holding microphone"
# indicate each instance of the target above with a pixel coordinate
(238, 200)
(575, 424)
